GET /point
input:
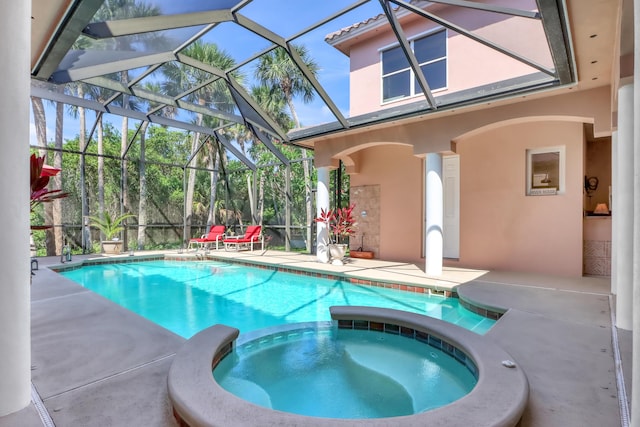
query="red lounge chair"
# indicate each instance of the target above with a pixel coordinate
(216, 235)
(251, 236)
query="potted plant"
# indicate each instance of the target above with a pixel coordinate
(110, 227)
(341, 225)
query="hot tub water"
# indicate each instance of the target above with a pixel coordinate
(343, 373)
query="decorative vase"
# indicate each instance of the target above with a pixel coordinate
(337, 252)
(112, 247)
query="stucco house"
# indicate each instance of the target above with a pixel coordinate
(509, 190)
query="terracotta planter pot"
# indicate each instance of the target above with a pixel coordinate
(361, 254)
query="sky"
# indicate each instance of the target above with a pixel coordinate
(283, 18)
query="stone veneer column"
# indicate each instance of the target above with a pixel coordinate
(434, 210)
(15, 363)
(322, 202)
(623, 210)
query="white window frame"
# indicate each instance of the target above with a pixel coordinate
(412, 76)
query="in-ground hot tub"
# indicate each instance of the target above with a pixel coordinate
(317, 369)
(498, 398)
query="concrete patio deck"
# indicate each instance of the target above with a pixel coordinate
(97, 364)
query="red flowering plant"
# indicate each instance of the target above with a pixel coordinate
(40, 174)
(340, 222)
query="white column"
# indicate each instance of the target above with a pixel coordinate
(15, 362)
(614, 218)
(322, 202)
(434, 210)
(623, 210)
(635, 380)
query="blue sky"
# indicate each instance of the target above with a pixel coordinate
(283, 18)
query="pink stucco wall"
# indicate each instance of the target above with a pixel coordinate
(502, 228)
(470, 64)
(399, 174)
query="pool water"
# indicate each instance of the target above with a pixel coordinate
(343, 373)
(187, 297)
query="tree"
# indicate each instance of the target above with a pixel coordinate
(40, 121)
(82, 115)
(100, 95)
(57, 179)
(80, 112)
(178, 79)
(142, 167)
(123, 9)
(277, 71)
(275, 105)
(142, 197)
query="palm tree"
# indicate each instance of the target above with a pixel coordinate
(100, 95)
(180, 78)
(277, 71)
(128, 103)
(57, 179)
(80, 113)
(216, 160)
(52, 211)
(122, 9)
(142, 199)
(274, 104)
(112, 10)
(40, 121)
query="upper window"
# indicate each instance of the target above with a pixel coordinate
(399, 81)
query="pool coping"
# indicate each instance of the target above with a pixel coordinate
(499, 398)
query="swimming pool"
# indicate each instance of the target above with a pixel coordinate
(187, 297)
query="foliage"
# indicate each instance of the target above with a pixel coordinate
(281, 75)
(223, 188)
(40, 175)
(166, 150)
(339, 221)
(109, 226)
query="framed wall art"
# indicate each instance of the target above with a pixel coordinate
(545, 171)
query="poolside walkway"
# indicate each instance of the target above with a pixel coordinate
(97, 364)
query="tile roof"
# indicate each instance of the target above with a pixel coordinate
(343, 31)
(346, 30)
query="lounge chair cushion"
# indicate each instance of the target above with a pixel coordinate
(252, 235)
(216, 234)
